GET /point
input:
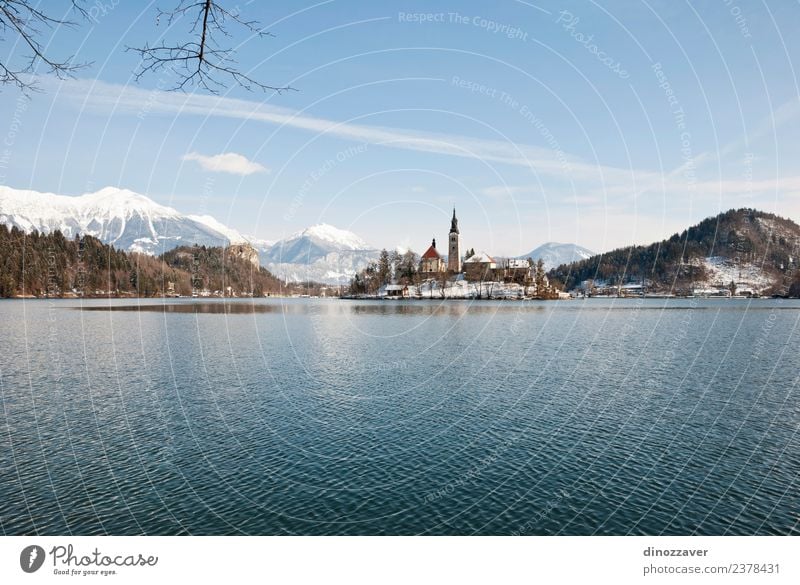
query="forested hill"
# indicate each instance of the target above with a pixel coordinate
(745, 246)
(215, 268)
(52, 265)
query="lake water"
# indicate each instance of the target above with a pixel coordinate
(309, 416)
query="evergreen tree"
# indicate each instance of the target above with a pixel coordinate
(384, 269)
(539, 279)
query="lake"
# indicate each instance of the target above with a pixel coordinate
(326, 416)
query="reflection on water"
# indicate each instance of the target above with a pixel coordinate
(432, 307)
(423, 307)
(197, 307)
(323, 416)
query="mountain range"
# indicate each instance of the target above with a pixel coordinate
(132, 222)
(320, 253)
(127, 220)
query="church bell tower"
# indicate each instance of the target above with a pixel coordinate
(453, 254)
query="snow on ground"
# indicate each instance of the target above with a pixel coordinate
(323, 232)
(722, 271)
(233, 236)
(461, 289)
(774, 228)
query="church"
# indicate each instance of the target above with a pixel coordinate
(478, 267)
(433, 264)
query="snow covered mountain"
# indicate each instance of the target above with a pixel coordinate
(322, 253)
(233, 236)
(554, 254)
(127, 220)
(132, 222)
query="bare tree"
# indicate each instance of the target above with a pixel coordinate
(24, 20)
(442, 282)
(478, 288)
(527, 278)
(201, 61)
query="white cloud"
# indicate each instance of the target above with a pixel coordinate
(227, 162)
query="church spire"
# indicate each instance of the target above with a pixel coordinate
(454, 255)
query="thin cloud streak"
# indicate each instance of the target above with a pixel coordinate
(143, 103)
(597, 183)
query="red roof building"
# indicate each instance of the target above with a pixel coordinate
(432, 262)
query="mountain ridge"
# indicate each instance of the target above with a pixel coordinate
(741, 248)
(133, 222)
(555, 254)
(128, 220)
(319, 253)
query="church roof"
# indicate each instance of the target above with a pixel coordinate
(431, 253)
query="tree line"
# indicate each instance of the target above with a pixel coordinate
(743, 236)
(55, 266)
(400, 268)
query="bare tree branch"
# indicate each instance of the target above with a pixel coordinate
(21, 19)
(201, 62)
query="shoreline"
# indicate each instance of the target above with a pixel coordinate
(391, 299)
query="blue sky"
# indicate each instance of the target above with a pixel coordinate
(603, 124)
